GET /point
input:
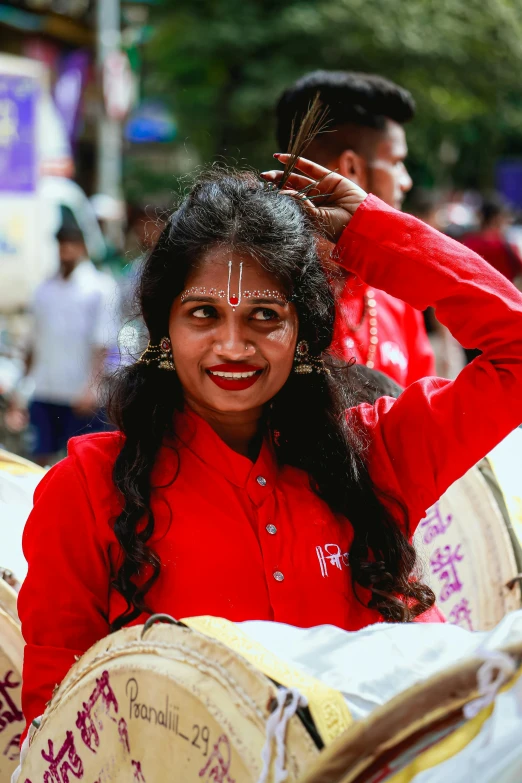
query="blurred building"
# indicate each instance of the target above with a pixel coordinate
(61, 34)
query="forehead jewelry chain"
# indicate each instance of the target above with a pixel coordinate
(234, 299)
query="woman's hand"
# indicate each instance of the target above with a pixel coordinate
(331, 200)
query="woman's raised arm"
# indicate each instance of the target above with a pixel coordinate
(437, 429)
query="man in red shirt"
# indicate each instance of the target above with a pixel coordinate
(365, 141)
(491, 242)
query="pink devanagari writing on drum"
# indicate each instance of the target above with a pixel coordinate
(443, 564)
(434, 523)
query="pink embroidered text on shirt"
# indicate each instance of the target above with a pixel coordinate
(334, 555)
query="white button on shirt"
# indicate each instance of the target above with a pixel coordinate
(71, 317)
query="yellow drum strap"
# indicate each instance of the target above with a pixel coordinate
(327, 706)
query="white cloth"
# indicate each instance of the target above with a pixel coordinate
(371, 666)
(72, 317)
(16, 502)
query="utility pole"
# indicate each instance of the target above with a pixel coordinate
(109, 157)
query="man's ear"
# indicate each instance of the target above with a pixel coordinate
(353, 166)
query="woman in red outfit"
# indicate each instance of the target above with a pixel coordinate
(253, 481)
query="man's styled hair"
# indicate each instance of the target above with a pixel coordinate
(362, 99)
(493, 207)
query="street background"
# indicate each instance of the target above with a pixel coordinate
(107, 108)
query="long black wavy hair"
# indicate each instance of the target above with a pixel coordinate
(238, 211)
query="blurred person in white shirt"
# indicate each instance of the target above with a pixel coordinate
(74, 325)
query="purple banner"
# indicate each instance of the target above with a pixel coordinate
(508, 180)
(68, 90)
(18, 156)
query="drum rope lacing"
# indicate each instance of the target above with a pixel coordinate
(288, 702)
(498, 667)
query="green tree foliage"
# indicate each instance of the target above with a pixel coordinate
(223, 63)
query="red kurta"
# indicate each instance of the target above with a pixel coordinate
(251, 541)
(497, 251)
(403, 350)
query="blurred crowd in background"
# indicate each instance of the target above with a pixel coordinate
(106, 108)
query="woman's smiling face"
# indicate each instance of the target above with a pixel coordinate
(232, 359)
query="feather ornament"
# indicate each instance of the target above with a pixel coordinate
(313, 123)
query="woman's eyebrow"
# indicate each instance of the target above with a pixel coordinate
(279, 302)
(200, 298)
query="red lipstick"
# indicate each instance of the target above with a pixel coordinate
(228, 376)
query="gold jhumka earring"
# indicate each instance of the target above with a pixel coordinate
(160, 355)
(304, 364)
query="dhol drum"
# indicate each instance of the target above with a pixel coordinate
(162, 701)
(11, 654)
(469, 551)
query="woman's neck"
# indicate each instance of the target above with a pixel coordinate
(241, 431)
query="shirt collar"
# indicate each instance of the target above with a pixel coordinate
(83, 269)
(198, 436)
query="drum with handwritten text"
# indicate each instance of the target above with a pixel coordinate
(11, 653)
(150, 704)
(460, 725)
(467, 555)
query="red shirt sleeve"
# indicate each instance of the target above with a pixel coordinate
(68, 559)
(421, 361)
(437, 429)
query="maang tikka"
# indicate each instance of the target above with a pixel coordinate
(304, 364)
(160, 355)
